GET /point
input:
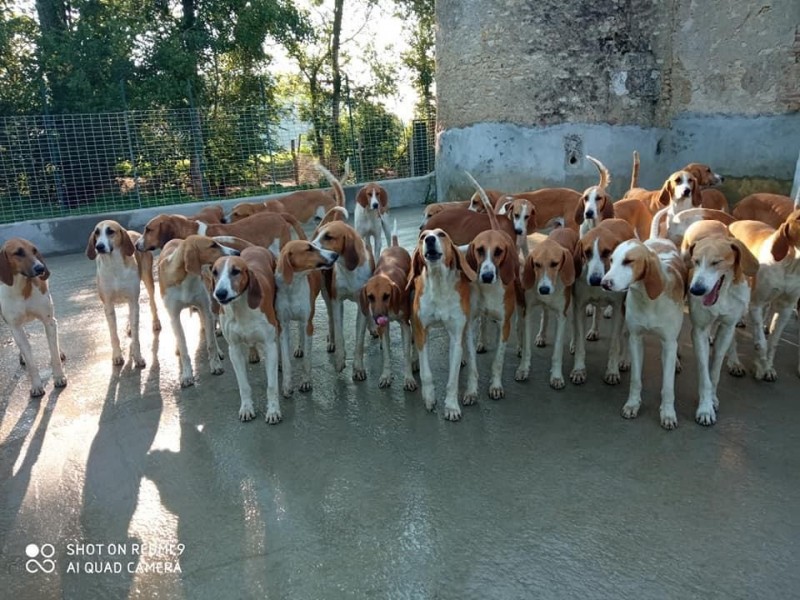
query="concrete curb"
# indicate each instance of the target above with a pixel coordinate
(67, 235)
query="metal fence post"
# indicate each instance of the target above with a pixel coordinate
(130, 143)
(197, 142)
(359, 163)
(269, 134)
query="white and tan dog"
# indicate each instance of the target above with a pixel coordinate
(547, 279)
(181, 284)
(24, 296)
(298, 283)
(120, 269)
(596, 203)
(654, 276)
(442, 281)
(245, 288)
(719, 293)
(777, 286)
(372, 204)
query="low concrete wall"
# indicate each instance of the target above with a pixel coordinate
(515, 158)
(69, 234)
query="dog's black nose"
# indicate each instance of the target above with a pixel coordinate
(334, 256)
(487, 277)
(518, 231)
(698, 289)
(430, 241)
(221, 294)
(686, 191)
(100, 248)
(544, 290)
(595, 279)
(38, 269)
(589, 214)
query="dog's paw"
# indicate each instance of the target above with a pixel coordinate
(767, 374)
(624, 365)
(373, 333)
(117, 361)
(590, 310)
(139, 362)
(557, 383)
(608, 312)
(305, 386)
(247, 412)
(578, 376)
(37, 391)
(737, 369)
(521, 374)
(217, 370)
(452, 414)
(705, 415)
(156, 325)
(496, 392)
(669, 420)
(287, 392)
(385, 381)
(410, 384)
(274, 417)
(60, 381)
(331, 347)
(611, 378)
(187, 381)
(592, 335)
(480, 348)
(469, 399)
(630, 410)
(741, 324)
(430, 402)
(253, 356)
(298, 352)
(540, 341)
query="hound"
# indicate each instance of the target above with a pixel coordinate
(441, 280)
(494, 258)
(350, 272)
(547, 279)
(248, 209)
(718, 293)
(550, 206)
(212, 214)
(777, 286)
(298, 283)
(679, 192)
(308, 205)
(120, 268)
(674, 226)
(594, 260)
(372, 204)
(245, 288)
(595, 204)
(383, 299)
(182, 286)
(265, 229)
(772, 209)
(654, 276)
(24, 296)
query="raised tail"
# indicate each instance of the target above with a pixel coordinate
(635, 172)
(486, 203)
(395, 239)
(338, 190)
(292, 220)
(605, 176)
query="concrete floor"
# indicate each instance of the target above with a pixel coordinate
(362, 493)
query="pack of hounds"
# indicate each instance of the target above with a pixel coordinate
(483, 261)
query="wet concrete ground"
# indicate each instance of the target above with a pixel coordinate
(362, 493)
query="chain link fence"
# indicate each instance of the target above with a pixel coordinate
(61, 165)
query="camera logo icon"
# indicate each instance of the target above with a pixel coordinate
(40, 558)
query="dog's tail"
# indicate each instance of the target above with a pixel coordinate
(635, 172)
(655, 225)
(797, 199)
(486, 203)
(605, 176)
(295, 224)
(338, 190)
(395, 238)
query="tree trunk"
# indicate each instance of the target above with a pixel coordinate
(336, 133)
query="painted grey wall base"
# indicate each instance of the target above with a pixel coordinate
(69, 234)
(515, 158)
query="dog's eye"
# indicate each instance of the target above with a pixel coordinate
(214, 273)
(715, 263)
(327, 237)
(537, 265)
(147, 230)
(371, 297)
(588, 253)
(385, 297)
(235, 271)
(553, 264)
(605, 253)
(109, 231)
(20, 252)
(481, 251)
(497, 252)
(97, 231)
(527, 217)
(626, 261)
(440, 234)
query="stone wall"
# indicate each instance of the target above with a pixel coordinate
(526, 89)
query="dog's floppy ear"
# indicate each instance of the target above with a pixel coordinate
(532, 220)
(504, 208)
(461, 263)
(191, 259)
(745, 262)
(665, 195)
(127, 243)
(363, 302)
(608, 207)
(509, 268)
(528, 273)
(472, 260)
(383, 199)
(417, 264)
(91, 252)
(166, 232)
(254, 292)
(653, 283)
(350, 253)
(697, 194)
(567, 270)
(286, 268)
(579, 208)
(781, 245)
(6, 275)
